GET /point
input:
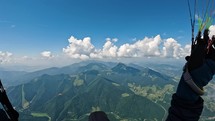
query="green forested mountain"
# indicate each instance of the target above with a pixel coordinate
(13, 78)
(125, 93)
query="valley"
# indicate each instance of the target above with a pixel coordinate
(125, 93)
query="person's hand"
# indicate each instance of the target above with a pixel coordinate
(198, 71)
(198, 53)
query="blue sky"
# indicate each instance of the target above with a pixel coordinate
(29, 27)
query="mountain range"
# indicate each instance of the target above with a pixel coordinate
(124, 92)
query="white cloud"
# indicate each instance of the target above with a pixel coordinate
(26, 57)
(147, 47)
(172, 48)
(79, 48)
(186, 50)
(212, 30)
(109, 49)
(5, 57)
(114, 39)
(142, 48)
(46, 54)
(150, 46)
(127, 50)
(83, 49)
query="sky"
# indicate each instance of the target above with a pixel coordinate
(57, 32)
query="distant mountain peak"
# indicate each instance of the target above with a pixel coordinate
(122, 68)
(96, 66)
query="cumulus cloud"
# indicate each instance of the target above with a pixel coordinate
(79, 48)
(46, 54)
(5, 57)
(172, 48)
(147, 47)
(127, 50)
(83, 49)
(109, 49)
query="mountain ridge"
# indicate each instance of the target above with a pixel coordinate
(122, 93)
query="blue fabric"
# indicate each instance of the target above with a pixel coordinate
(201, 76)
(204, 74)
(182, 110)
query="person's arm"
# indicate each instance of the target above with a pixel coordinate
(187, 104)
(182, 110)
(190, 86)
(188, 79)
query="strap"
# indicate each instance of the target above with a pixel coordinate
(194, 87)
(188, 79)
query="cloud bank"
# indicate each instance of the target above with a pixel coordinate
(5, 57)
(83, 49)
(147, 47)
(46, 54)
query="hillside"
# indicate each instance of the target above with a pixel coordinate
(123, 92)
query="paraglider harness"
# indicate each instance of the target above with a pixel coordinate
(9, 113)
